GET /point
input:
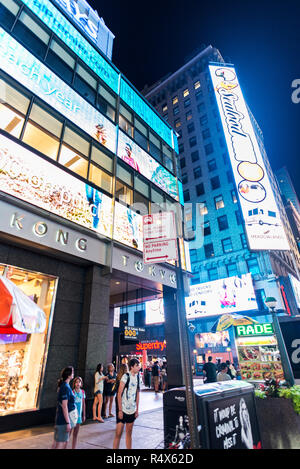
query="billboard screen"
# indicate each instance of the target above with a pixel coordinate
(227, 295)
(155, 311)
(263, 224)
(139, 160)
(20, 64)
(296, 288)
(27, 176)
(128, 228)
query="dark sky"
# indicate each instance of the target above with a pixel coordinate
(262, 39)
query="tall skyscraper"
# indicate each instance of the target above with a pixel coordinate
(238, 219)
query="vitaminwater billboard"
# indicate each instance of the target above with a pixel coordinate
(263, 224)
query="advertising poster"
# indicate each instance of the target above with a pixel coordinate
(29, 177)
(128, 227)
(231, 294)
(291, 335)
(20, 64)
(233, 423)
(263, 224)
(140, 161)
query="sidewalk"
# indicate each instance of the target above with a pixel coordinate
(147, 430)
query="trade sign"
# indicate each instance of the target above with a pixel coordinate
(132, 332)
(159, 226)
(254, 330)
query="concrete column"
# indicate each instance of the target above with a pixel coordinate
(175, 377)
(95, 342)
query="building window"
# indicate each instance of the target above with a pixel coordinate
(205, 134)
(101, 159)
(72, 160)
(213, 274)
(123, 193)
(100, 178)
(208, 149)
(164, 108)
(223, 222)
(85, 84)
(177, 123)
(232, 270)
(229, 176)
(189, 116)
(209, 250)
(227, 245)
(244, 241)
(175, 100)
(186, 93)
(200, 189)
(197, 172)
(182, 163)
(233, 196)
(192, 142)
(195, 156)
(238, 217)
(186, 195)
(199, 95)
(141, 134)
(219, 202)
(176, 110)
(141, 186)
(253, 266)
(61, 60)
(203, 208)
(201, 108)
(197, 85)
(206, 228)
(32, 34)
(212, 165)
(179, 133)
(203, 120)
(154, 147)
(215, 182)
(13, 107)
(184, 179)
(187, 102)
(191, 127)
(181, 148)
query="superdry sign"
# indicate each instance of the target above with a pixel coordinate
(153, 345)
(262, 218)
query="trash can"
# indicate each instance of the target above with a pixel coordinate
(226, 417)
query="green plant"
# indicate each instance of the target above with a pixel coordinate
(260, 394)
(292, 393)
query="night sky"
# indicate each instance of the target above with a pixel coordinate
(261, 38)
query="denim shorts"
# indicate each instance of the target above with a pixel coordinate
(98, 392)
(60, 434)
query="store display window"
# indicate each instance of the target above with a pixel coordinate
(26, 305)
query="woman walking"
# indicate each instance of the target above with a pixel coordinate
(98, 392)
(65, 410)
(109, 390)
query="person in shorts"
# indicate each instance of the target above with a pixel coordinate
(80, 396)
(127, 403)
(65, 405)
(109, 390)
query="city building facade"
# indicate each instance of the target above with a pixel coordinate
(83, 156)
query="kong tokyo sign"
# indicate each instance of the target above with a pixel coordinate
(262, 218)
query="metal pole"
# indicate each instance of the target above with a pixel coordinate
(288, 372)
(185, 356)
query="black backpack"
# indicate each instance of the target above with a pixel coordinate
(127, 385)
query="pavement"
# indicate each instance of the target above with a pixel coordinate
(147, 430)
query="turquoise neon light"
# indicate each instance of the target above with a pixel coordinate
(57, 22)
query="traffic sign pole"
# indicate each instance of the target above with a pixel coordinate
(186, 357)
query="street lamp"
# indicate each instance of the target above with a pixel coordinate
(288, 373)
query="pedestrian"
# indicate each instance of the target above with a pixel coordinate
(127, 403)
(164, 377)
(155, 374)
(66, 412)
(98, 392)
(80, 404)
(229, 371)
(210, 371)
(223, 375)
(109, 392)
(218, 364)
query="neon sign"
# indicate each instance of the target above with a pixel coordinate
(264, 227)
(254, 330)
(155, 345)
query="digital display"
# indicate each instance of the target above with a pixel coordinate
(254, 330)
(227, 295)
(296, 288)
(20, 64)
(128, 227)
(139, 160)
(29, 177)
(52, 18)
(211, 339)
(155, 311)
(263, 224)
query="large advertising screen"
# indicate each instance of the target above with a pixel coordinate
(139, 160)
(20, 64)
(296, 288)
(128, 228)
(227, 295)
(29, 177)
(155, 311)
(263, 224)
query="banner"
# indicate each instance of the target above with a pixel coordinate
(263, 224)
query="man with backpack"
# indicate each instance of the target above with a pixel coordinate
(127, 403)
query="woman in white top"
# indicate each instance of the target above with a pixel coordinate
(98, 393)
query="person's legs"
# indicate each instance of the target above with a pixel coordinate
(129, 427)
(75, 436)
(95, 407)
(111, 400)
(118, 434)
(100, 400)
(105, 402)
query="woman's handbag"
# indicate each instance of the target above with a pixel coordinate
(73, 416)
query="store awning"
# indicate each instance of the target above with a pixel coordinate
(18, 313)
